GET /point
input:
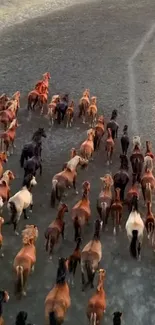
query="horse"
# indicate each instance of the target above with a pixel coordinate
(109, 147)
(8, 137)
(21, 318)
(91, 256)
(55, 229)
(58, 299)
(14, 102)
(70, 114)
(133, 191)
(135, 229)
(149, 150)
(104, 200)
(121, 178)
(97, 303)
(1, 237)
(81, 212)
(116, 211)
(113, 125)
(4, 298)
(136, 158)
(19, 202)
(87, 147)
(66, 179)
(84, 104)
(92, 111)
(73, 153)
(34, 98)
(7, 177)
(125, 142)
(25, 260)
(99, 132)
(3, 100)
(29, 149)
(33, 164)
(3, 159)
(150, 224)
(42, 85)
(11, 110)
(73, 260)
(51, 114)
(148, 180)
(117, 316)
(61, 108)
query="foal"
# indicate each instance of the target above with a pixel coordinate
(121, 178)
(8, 176)
(84, 104)
(55, 229)
(116, 210)
(105, 199)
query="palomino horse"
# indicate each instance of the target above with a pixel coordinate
(73, 153)
(55, 229)
(8, 137)
(99, 132)
(97, 303)
(81, 212)
(135, 229)
(113, 125)
(84, 104)
(149, 150)
(42, 85)
(109, 147)
(104, 200)
(66, 179)
(87, 147)
(150, 224)
(70, 114)
(73, 260)
(125, 140)
(3, 159)
(1, 237)
(116, 211)
(92, 111)
(137, 158)
(8, 176)
(51, 114)
(91, 256)
(25, 260)
(58, 299)
(4, 297)
(121, 178)
(29, 149)
(148, 180)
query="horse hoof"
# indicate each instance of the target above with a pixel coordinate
(30, 212)
(114, 232)
(50, 258)
(2, 255)
(77, 192)
(111, 162)
(24, 293)
(107, 163)
(14, 146)
(8, 153)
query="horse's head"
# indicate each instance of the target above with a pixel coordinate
(21, 317)
(1, 221)
(9, 174)
(46, 75)
(98, 225)
(86, 186)
(114, 114)
(125, 128)
(73, 153)
(30, 234)
(42, 133)
(107, 180)
(29, 181)
(90, 133)
(93, 100)
(3, 156)
(83, 162)
(86, 93)
(63, 207)
(4, 296)
(101, 119)
(117, 318)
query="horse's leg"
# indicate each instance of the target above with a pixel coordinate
(25, 214)
(74, 185)
(114, 222)
(108, 158)
(41, 169)
(15, 224)
(92, 280)
(120, 221)
(31, 205)
(139, 251)
(144, 196)
(83, 278)
(122, 193)
(111, 153)
(116, 132)
(63, 230)
(51, 248)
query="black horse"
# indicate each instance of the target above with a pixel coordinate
(121, 178)
(33, 164)
(29, 149)
(22, 318)
(113, 125)
(125, 140)
(61, 108)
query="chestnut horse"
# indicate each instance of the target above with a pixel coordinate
(42, 85)
(92, 111)
(58, 299)
(81, 212)
(148, 180)
(121, 178)
(104, 200)
(66, 179)
(4, 297)
(109, 147)
(91, 256)
(87, 147)
(8, 176)
(8, 137)
(34, 98)
(25, 260)
(137, 158)
(51, 114)
(55, 229)
(84, 104)
(97, 303)
(150, 224)
(14, 102)
(116, 211)
(3, 100)
(99, 132)
(1, 237)
(3, 158)
(70, 114)
(10, 113)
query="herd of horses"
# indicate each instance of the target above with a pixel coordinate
(113, 198)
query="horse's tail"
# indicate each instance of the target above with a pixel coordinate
(93, 319)
(22, 158)
(89, 271)
(13, 211)
(54, 192)
(20, 279)
(52, 319)
(1, 202)
(133, 244)
(103, 212)
(95, 141)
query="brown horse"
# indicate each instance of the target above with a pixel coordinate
(3, 159)
(3, 100)
(73, 260)
(109, 147)
(52, 114)
(4, 297)
(136, 158)
(149, 150)
(25, 260)
(66, 179)
(73, 153)
(58, 299)
(1, 237)
(99, 132)
(97, 303)
(42, 85)
(91, 256)
(105, 199)
(150, 224)
(84, 104)
(81, 212)
(116, 211)
(8, 176)
(70, 114)
(133, 191)
(55, 229)
(148, 180)
(10, 113)
(92, 111)
(36, 98)
(87, 147)
(7, 138)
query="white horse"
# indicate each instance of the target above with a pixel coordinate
(135, 229)
(18, 203)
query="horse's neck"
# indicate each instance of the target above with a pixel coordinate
(74, 162)
(60, 214)
(85, 196)
(117, 197)
(100, 285)
(106, 191)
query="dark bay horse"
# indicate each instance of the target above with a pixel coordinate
(137, 159)
(113, 125)
(121, 178)
(61, 108)
(125, 140)
(29, 149)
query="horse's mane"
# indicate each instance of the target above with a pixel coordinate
(148, 163)
(36, 133)
(61, 272)
(29, 234)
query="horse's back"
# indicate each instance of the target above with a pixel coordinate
(92, 247)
